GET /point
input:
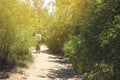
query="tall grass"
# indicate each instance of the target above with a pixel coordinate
(16, 29)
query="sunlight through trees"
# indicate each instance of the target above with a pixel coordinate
(86, 32)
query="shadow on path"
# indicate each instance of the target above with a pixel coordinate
(4, 72)
(60, 72)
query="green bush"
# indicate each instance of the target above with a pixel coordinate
(15, 32)
(95, 51)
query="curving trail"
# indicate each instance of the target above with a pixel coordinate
(46, 67)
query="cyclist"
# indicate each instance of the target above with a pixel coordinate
(38, 36)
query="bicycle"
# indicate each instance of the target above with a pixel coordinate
(38, 47)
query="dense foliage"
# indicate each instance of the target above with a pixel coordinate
(15, 32)
(63, 22)
(95, 51)
(88, 31)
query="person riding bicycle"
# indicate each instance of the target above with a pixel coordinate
(38, 36)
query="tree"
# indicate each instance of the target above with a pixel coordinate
(63, 22)
(95, 50)
(15, 32)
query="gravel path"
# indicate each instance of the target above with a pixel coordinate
(46, 67)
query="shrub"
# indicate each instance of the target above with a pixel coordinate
(15, 32)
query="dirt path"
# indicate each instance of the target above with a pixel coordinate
(47, 67)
